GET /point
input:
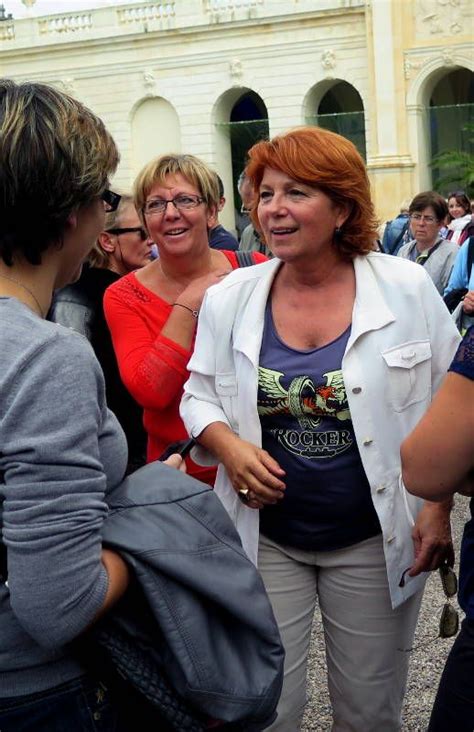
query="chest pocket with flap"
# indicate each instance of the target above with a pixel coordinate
(409, 373)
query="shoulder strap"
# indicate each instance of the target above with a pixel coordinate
(244, 259)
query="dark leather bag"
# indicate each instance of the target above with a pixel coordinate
(198, 614)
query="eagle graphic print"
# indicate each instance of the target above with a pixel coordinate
(312, 408)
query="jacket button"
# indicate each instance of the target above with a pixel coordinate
(390, 539)
(367, 441)
(356, 390)
(380, 488)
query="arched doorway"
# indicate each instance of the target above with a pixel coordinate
(155, 131)
(240, 120)
(338, 106)
(451, 125)
(248, 124)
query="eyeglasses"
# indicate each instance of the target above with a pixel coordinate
(181, 203)
(449, 620)
(422, 217)
(111, 200)
(456, 193)
(129, 230)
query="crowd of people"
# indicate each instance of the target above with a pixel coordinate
(303, 361)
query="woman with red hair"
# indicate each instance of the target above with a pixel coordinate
(308, 372)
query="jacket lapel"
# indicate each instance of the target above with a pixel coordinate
(248, 326)
(371, 310)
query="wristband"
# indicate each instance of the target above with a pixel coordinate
(194, 313)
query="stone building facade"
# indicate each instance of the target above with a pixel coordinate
(183, 75)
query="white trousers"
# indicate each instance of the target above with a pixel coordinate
(366, 641)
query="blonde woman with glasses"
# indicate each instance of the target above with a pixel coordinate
(152, 313)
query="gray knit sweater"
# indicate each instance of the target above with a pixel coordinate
(60, 450)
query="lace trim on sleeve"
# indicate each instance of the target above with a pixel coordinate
(463, 362)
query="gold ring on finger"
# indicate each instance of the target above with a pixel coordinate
(244, 494)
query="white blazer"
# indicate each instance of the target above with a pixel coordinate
(402, 341)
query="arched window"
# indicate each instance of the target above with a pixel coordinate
(155, 131)
(241, 119)
(451, 123)
(338, 108)
(248, 124)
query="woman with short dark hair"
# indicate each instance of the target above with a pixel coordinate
(428, 212)
(307, 373)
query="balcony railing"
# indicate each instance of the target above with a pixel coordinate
(150, 16)
(7, 30)
(143, 13)
(65, 23)
(216, 5)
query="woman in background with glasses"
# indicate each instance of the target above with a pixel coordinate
(438, 461)
(428, 212)
(461, 225)
(152, 313)
(122, 247)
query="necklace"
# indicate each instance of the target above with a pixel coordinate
(27, 289)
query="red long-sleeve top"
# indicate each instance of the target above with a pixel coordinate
(153, 367)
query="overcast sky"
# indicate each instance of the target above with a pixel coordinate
(49, 7)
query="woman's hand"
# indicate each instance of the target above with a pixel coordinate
(176, 461)
(193, 295)
(431, 536)
(468, 303)
(249, 467)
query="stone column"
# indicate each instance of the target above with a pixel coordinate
(388, 163)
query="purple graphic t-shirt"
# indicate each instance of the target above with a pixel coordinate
(307, 428)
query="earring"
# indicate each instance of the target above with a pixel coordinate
(337, 234)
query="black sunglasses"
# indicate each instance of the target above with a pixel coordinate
(111, 200)
(129, 230)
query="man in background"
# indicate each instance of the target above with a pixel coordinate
(220, 238)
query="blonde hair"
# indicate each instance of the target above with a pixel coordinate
(98, 257)
(193, 169)
(55, 156)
